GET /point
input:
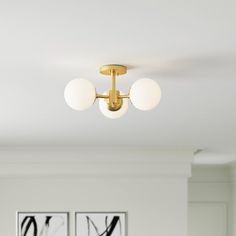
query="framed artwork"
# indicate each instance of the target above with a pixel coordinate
(101, 224)
(42, 224)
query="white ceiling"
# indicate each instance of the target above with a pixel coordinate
(188, 47)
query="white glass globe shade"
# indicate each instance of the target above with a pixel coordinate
(113, 114)
(145, 94)
(80, 94)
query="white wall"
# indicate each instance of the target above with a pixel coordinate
(151, 186)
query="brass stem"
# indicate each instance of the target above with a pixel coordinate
(113, 99)
(113, 78)
(113, 89)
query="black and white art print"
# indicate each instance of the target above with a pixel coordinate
(100, 223)
(42, 224)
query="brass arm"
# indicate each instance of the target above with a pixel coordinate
(124, 96)
(101, 96)
(107, 96)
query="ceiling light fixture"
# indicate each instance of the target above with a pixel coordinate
(80, 94)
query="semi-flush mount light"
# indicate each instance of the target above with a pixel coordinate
(80, 94)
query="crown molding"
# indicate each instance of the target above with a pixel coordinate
(94, 161)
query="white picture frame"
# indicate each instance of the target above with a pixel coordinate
(42, 224)
(101, 223)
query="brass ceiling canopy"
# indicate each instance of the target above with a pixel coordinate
(144, 94)
(117, 69)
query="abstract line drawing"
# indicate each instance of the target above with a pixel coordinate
(42, 224)
(100, 223)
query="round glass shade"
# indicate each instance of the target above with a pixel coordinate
(145, 94)
(113, 114)
(80, 94)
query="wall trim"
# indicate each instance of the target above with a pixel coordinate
(95, 161)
